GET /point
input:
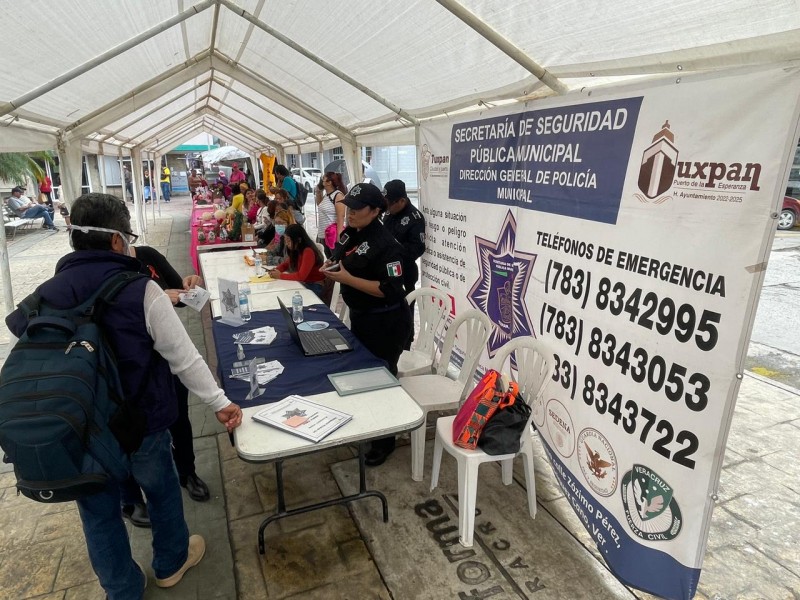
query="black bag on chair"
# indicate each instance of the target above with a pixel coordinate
(502, 433)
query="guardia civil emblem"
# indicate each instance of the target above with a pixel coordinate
(650, 507)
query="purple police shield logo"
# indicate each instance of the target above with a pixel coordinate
(502, 284)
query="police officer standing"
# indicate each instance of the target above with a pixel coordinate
(370, 270)
(407, 225)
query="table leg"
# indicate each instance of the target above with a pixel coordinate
(282, 512)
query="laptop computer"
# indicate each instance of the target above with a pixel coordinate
(314, 343)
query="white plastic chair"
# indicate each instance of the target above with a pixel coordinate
(433, 306)
(533, 373)
(439, 392)
(343, 311)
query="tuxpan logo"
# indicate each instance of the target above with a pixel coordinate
(650, 508)
(661, 170)
(434, 165)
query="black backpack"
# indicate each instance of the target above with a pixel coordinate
(64, 423)
(302, 195)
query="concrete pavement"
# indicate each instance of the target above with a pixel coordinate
(349, 553)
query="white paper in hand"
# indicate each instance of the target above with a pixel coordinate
(195, 298)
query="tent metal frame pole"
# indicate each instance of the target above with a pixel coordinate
(244, 114)
(155, 109)
(132, 100)
(106, 56)
(258, 84)
(316, 59)
(172, 134)
(501, 43)
(122, 176)
(258, 138)
(264, 108)
(227, 130)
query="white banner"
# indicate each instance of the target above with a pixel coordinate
(631, 231)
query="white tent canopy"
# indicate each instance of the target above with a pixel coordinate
(148, 74)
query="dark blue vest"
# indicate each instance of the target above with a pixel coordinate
(78, 274)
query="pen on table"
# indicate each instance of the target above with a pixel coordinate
(230, 437)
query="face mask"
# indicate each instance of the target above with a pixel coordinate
(280, 229)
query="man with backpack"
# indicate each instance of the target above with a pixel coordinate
(286, 182)
(147, 343)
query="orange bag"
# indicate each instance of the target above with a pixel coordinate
(479, 407)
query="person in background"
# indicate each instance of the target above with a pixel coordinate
(303, 260)
(285, 182)
(155, 265)
(250, 208)
(223, 179)
(237, 176)
(276, 248)
(407, 225)
(194, 182)
(371, 276)
(150, 344)
(250, 180)
(331, 211)
(147, 188)
(237, 202)
(265, 230)
(126, 174)
(28, 209)
(166, 189)
(46, 188)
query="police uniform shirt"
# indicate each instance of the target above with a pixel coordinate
(371, 254)
(408, 228)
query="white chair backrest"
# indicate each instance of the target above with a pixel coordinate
(321, 249)
(433, 305)
(337, 288)
(475, 327)
(534, 362)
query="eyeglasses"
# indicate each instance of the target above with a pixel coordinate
(132, 237)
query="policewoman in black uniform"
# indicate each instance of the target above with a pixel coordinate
(370, 271)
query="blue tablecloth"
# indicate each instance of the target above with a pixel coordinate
(304, 375)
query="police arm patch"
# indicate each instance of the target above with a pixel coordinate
(395, 269)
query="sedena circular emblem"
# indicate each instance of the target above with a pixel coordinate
(560, 428)
(598, 462)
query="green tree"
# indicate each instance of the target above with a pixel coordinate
(16, 167)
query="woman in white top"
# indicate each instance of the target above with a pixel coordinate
(330, 208)
(263, 226)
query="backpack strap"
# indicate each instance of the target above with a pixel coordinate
(30, 305)
(110, 288)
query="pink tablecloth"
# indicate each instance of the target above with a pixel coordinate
(196, 224)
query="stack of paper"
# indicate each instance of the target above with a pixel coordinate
(299, 416)
(265, 372)
(260, 335)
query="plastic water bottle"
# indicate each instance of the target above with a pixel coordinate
(244, 301)
(257, 262)
(297, 307)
